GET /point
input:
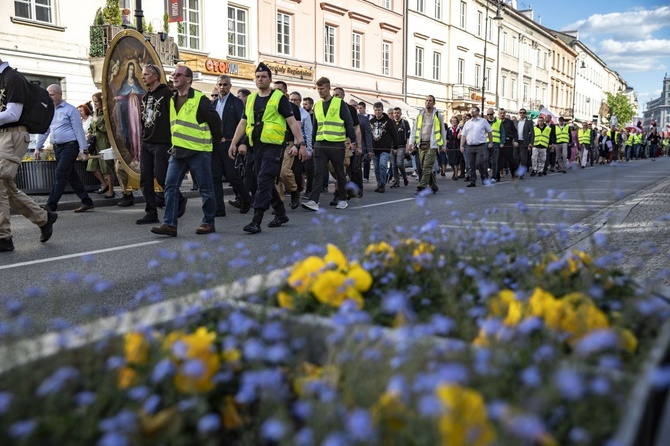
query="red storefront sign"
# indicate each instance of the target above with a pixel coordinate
(174, 9)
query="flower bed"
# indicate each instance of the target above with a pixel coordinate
(409, 342)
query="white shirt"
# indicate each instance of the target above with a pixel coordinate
(221, 105)
(519, 128)
(475, 131)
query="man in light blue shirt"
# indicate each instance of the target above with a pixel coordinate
(69, 140)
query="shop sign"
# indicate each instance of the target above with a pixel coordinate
(294, 71)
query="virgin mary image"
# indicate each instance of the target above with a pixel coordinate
(127, 112)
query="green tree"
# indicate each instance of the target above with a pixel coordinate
(620, 107)
(112, 12)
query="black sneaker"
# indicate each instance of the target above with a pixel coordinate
(47, 229)
(278, 221)
(126, 200)
(334, 202)
(6, 244)
(147, 219)
(252, 228)
(236, 203)
(295, 200)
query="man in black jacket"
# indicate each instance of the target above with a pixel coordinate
(506, 156)
(524, 128)
(384, 140)
(196, 128)
(156, 141)
(230, 110)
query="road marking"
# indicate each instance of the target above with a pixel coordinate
(382, 204)
(81, 254)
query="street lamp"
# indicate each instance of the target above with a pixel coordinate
(139, 14)
(581, 55)
(486, 40)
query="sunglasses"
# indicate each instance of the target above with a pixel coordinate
(154, 69)
(490, 114)
(522, 113)
(214, 95)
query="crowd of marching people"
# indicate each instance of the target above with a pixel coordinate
(272, 144)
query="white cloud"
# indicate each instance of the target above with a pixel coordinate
(634, 24)
(650, 47)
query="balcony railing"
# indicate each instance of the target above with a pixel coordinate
(463, 92)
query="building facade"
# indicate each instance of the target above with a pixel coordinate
(658, 109)
(427, 51)
(562, 78)
(48, 42)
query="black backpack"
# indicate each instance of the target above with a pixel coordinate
(38, 109)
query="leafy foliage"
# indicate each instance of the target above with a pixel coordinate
(620, 107)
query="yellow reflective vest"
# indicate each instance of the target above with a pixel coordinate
(584, 136)
(436, 129)
(495, 130)
(542, 136)
(562, 134)
(186, 131)
(330, 126)
(274, 124)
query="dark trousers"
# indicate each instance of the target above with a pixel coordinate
(249, 175)
(222, 166)
(550, 161)
(477, 161)
(308, 167)
(298, 168)
(323, 154)
(355, 172)
(521, 156)
(66, 155)
(267, 164)
(417, 162)
(506, 159)
(366, 167)
(153, 166)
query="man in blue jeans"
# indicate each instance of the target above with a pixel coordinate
(69, 141)
(195, 128)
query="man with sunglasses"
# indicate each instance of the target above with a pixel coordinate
(524, 128)
(156, 141)
(230, 109)
(196, 128)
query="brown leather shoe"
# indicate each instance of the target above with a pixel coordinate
(205, 229)
(170, 231)
(83, 208)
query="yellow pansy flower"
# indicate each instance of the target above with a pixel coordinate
(335, 257)
(285, 299)
(465, 421)
(136, 348)
(304, 272)
(361, 278)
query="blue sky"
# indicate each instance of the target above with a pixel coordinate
(631, 37)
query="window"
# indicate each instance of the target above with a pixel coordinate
(386, 58)
(329, 44)
(461, 67)
(418, 61)
(503, 86)
(487, 79)
(512, 93)
(188, 31)
(421, 5)
(283, 33)
(514, 46)
(464, 11)
(478, 75)
(38, 10)
(480, 20)
(526, 87)
(488, 29)
(237, 32)
(356, 45)
(386, 4)
(438, 9)
(437, 64)
(503, 42)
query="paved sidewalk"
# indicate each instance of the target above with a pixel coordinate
(637, 227)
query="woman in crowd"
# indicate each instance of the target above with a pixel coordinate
(454, 155)
(604, 147)
(102, 169)
(86, 113)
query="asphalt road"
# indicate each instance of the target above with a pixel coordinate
(101, 262)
